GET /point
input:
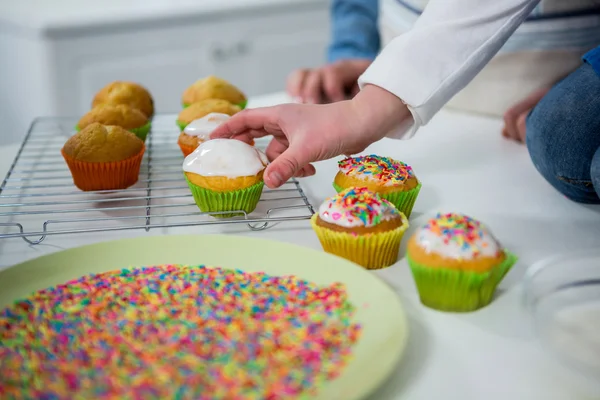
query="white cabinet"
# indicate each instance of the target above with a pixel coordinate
(58, 68)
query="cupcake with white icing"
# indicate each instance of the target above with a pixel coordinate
(359, 225)
(198, 131)
(457, 263)
(225, 175)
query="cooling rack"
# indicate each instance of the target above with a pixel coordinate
(38, 198)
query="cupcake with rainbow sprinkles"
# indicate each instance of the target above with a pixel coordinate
(457, 263)
(357, 224)
(393, 180)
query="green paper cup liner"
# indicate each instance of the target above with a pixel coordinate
(141, 132)
(181, 125)
(370, 251)
(403, 201)
(459, 291)
(237, 200)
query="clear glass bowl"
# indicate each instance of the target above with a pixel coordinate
(562, 294)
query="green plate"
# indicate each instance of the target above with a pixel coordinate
(379, 310)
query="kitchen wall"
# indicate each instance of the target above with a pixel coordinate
(54, 56)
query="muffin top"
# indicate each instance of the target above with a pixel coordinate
(101, 143)
(383, 170)
(357, 207)
(203, 127)
(128, 93)
(457, 236)
(212, 87)
(229, 158)
(114, 114)
(205, 107)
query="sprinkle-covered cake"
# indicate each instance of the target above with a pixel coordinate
(176, 332)
(359, 225)
(391, 179)
(457, 263)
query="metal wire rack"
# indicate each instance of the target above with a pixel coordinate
(38, 198)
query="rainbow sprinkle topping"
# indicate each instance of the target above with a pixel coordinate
(177, 332)
(460, 229)
(384, 169)
(361, 204)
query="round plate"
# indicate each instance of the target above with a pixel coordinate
(379, 310)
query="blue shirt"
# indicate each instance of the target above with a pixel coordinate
(354, 29)
(355, 32)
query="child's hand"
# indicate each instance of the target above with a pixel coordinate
(327, 84)
(307, 133)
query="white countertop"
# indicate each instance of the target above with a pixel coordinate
(465, 166)
(41, 16)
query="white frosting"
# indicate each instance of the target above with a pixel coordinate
(203, 127)
(335, 211)
(451, 243)
(225, 157)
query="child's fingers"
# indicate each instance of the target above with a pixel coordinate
(253, 121)
(286, 166)
(311, 91)
(295, 82)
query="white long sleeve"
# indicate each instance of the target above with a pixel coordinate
(447, 47)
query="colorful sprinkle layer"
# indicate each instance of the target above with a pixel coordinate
(175, 332)
(360, 204)
(384, 169)
(457, 228)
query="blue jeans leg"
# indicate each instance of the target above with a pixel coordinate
(563, 136)
(596, 171)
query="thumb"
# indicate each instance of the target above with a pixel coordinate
(285, 166)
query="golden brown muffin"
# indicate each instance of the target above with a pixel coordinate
(213, 88)
(203, 108)
(100, 143)
(114, 114)
(128, 93)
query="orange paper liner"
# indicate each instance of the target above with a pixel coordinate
(185, 149)
(371, 251)
(91, 176)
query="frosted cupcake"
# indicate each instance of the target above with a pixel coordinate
(198, 131)
(393, 180)
(225, 175)
(357, 224)
(457, 263)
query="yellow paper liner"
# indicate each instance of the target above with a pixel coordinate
(91, 176)
(371, 251)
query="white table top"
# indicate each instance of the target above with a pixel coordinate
(465, 166)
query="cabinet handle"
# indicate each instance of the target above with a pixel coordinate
(242, 48)
(219, 54)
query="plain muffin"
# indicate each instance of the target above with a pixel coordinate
(101, 143)
(202, 108)
(129, 93)
(213, 87)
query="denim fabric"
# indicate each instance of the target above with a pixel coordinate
(563, 136)
(355, 33)
(592, 57)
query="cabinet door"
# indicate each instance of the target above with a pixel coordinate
(165, 74)
(264, 52)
